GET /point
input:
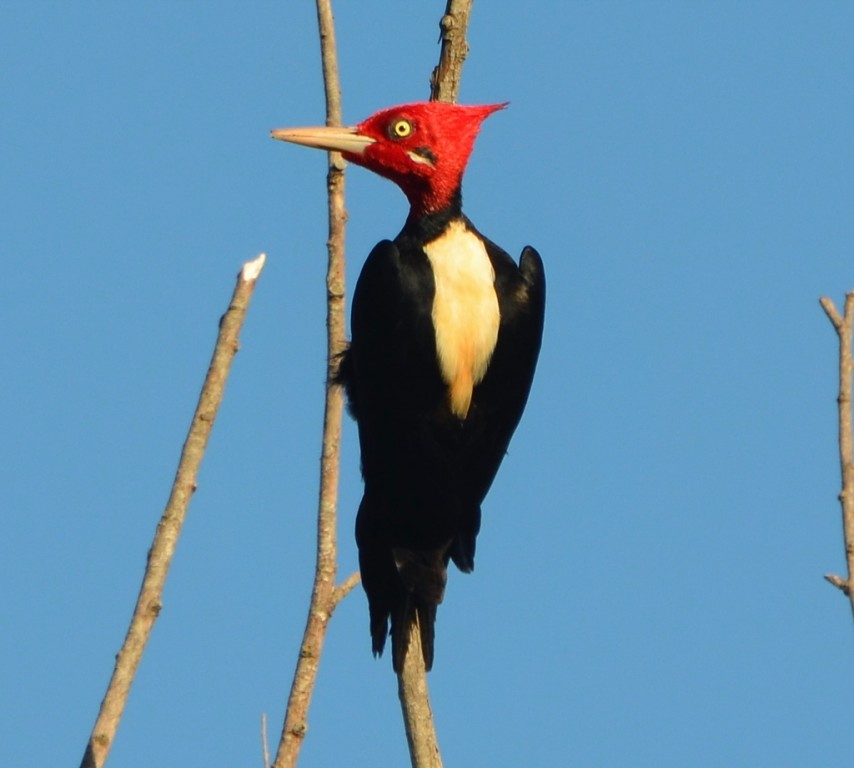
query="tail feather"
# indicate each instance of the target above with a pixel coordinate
(462, 551)
(426, 617)
(423, 576)
(411, 616)
(379, 629)
(401, 619)
(404, 585)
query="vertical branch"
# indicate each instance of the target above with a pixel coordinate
(412, 680)
(160, 555)
(844, 326)
(325, 595)
(415, 705)
(445, 80)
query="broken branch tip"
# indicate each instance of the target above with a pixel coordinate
(251, 269)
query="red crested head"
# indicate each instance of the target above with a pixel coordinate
(424, 147)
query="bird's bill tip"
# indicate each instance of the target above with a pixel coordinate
(332, 139)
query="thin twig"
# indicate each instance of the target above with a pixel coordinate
(838, 582)
(844, 326)
(345, 588)
(160, 555)
(265, 751)
(325, 594)
(832, 313)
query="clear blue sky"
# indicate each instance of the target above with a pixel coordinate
(648, 589)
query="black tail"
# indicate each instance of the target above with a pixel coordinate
(402, 584)
(423, 576)
(408, 617)
(406, 587)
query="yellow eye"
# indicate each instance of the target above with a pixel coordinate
(400, 129)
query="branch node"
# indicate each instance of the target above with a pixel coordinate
(445, 78)
(838, 582)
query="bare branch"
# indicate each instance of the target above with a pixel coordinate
(160, 555)
(412, 679)
(844, 326)
(324, 595)
(445, 80)
(415, 705)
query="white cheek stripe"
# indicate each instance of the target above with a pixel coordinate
(420, 159)
(465, 311)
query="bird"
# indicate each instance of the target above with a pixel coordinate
(446, 329)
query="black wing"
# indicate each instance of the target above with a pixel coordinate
(499, 400)
(426, 472)
(407, 514)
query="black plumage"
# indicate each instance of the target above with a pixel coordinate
(427, 471)
(446, 330)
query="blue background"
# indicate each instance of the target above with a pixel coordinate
(648, 589)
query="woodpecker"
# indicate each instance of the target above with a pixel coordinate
(445, 334)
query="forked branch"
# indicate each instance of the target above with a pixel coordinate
(844, 326)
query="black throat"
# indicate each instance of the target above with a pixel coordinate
(426, 227)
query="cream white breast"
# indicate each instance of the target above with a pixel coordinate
(465, 311)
